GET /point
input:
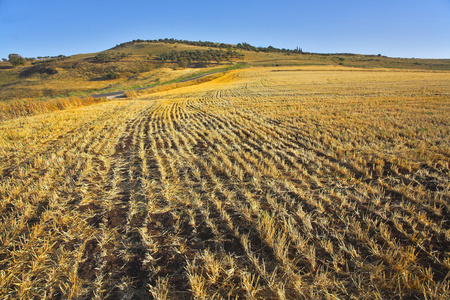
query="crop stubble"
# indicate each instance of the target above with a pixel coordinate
(319, 182)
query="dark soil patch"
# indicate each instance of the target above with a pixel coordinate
(8, 208)
(88, 207)
(171, 264)
(86, 269)
(160, 221)
(137, 220)
(116, 218)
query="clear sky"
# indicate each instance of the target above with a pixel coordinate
(398, 28)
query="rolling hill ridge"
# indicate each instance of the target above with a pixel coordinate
(139, 63)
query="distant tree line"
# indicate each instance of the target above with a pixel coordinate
(47, 59)
(18, 60)
(243, 46)
(58, 57)
(183, 58)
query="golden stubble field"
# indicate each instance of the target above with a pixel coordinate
(266, 183)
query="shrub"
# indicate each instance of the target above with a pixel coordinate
(108, 57)
(38, 69)
(113, 75)
(16, 60)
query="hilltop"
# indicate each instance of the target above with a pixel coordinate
(139, 63)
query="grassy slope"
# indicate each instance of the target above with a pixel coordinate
(78, 75)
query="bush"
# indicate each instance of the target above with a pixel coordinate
(108, 57)
(113, 75)
(16, 60)
(50, 71)
(38, 69)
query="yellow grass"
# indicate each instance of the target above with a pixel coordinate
(266, 183)
(171, 86)
(22, 108)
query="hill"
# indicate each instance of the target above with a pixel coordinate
(135, 64)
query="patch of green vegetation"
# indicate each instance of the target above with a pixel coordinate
(184, 58)
(113, 75)
(7, 77)
(191, 76)
(108, 57)
(241, 46)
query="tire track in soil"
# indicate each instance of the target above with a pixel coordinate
(167, 261)
(122, 257)
(130, 265)
(91, 260)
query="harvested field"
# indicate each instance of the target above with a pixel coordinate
(313, 182)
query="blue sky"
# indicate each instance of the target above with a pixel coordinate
(398, 28)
